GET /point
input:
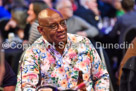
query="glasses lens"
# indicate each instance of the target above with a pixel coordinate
(63, 23)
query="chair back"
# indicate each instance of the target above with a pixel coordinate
(127, 37)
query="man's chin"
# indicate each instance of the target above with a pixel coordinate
(63, 41)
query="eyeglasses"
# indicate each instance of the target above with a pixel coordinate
(55, 26)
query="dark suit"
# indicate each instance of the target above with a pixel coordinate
(87, 15)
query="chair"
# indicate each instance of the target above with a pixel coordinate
(127, 37)
(128, 78)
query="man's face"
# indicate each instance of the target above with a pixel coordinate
(66, 9)
(92, 4)
(54, 29)
(117, 4)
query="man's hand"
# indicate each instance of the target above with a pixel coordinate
(11, 24)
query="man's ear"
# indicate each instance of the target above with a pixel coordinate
(40, 29)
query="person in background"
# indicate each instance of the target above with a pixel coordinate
(17, 21)
(117, 5)
(13, 30)
(88, 10)
(5, 13)
(34, 9)
(57, 57)
(8, 78)
(8, 4)
(106, 8)
(129, 16)
(122, 24)
(75, 24)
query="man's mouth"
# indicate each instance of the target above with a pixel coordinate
(62, 36)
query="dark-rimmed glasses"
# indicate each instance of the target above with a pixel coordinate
(55, 26)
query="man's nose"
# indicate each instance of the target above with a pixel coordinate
(60, 28)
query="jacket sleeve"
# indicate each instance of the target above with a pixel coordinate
(90, 30)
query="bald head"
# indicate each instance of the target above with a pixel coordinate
(48, 14)
(52, 26)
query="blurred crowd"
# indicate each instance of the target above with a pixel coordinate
(103, 21)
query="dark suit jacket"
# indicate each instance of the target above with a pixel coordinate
(87, 15)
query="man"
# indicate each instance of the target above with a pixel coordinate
(57, 57)
(88, 10)
(75, 24)
(122, 26)
(125, 21)
(118, 7)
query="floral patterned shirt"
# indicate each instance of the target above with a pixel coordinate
(43, 64)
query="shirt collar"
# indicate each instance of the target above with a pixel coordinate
(49, 45)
